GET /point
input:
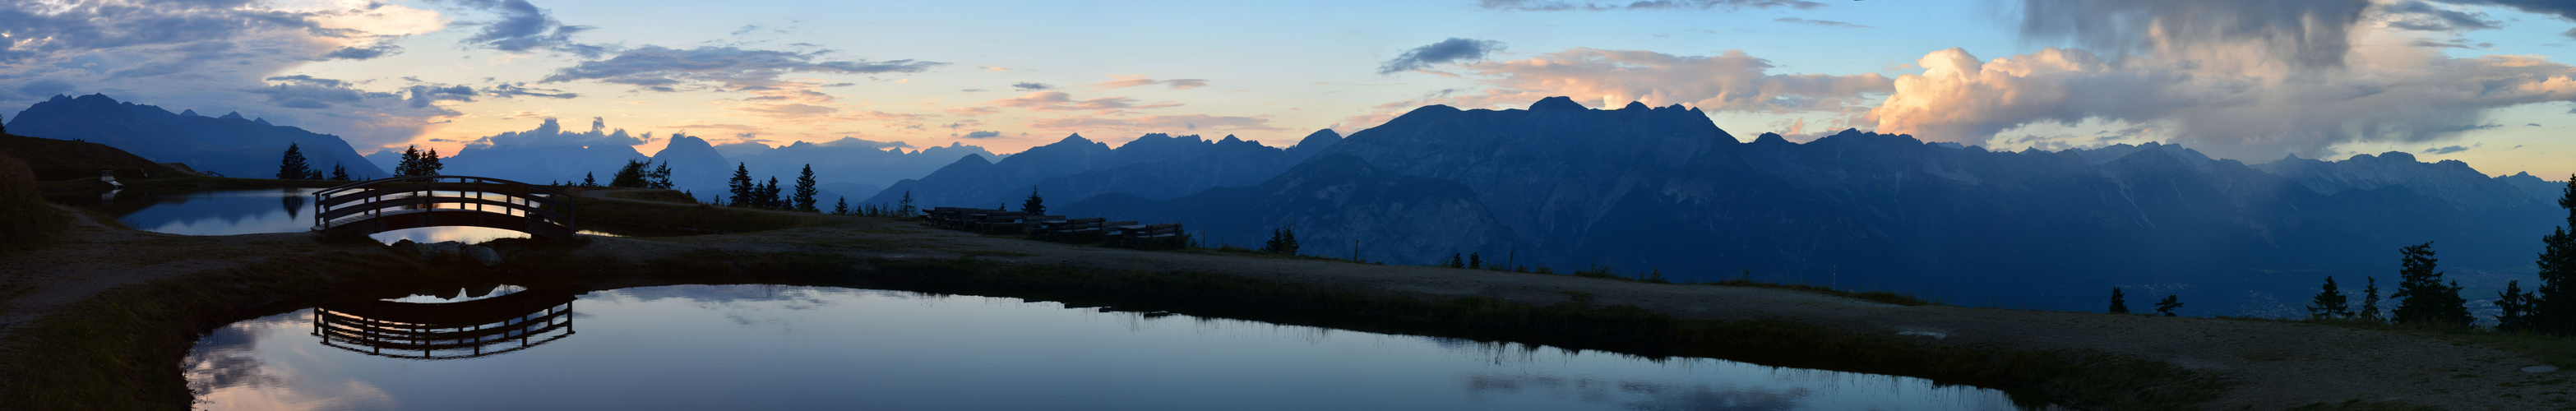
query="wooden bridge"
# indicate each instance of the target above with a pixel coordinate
(375, 206)
(438, 331)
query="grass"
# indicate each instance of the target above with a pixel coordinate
(691, 217)
(25, 220)
(667, 196)
(2559, 351)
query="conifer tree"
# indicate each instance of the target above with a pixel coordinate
(631, 175)
(429, 164)
(2370, 301)
(770, 196)
(410, 165)
(2167, 306)
(904, 208)
(742, 186)
(1455, 261)
(2329, 303)
(2553, 307)
(339, 172)
(293, 167)
(1475, 262)
(1283, 240)
(661, 176)
(588, 181)
(1035, 205)
(2516, 306)
(2119, 303)
(841, 206)
(805, 190)
(2425, 299)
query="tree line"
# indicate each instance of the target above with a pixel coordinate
(293, 166)
(2423, 297)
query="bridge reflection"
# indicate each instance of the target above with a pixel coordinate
(447, 330)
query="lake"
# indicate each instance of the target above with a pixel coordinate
(258, 211)
(688, 347)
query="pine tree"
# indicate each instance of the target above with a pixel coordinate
(2167, 306)
(2329, 303)
(2516, 305)
(410, 165)
(769, 195)
(742, 186)
(588, 181)
(631, 175)
(2553, 307)
(1475, 262)
(841, 206)
(1283, 240)
(1035, 205)
(429, 164)
(339, 172)
(293, 167)
(904, 208)
(1455, 261)
(2119, 303)
(2370, 301)
(805, 190)
(661, 176)
(2425, 299)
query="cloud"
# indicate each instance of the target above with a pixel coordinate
(1061, 101)
(1731, 81)
(2560, 8)
(1155, 123)
(2454, 43)
(2226, 113)
(1030, 86)
(551, 134)
(982, 134)
(857, 142)
(2301, 33)
(307, 92)
(657, 66)
(1826, 23)
(2421, 16)
(523, 28)
(363, 53)
(2445, 150)
(1544, 5)
(512, 90)
(1452, 50)
(424, 95)
(1139, 80)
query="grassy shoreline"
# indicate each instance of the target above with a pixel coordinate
(118, 350)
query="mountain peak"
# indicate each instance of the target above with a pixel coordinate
(231, 116)
(262, 121)
(1556, 103)
(1076, 138)
(190, 112)
(1770, 138)
(1632, 105)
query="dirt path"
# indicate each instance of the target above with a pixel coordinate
(2276, 364)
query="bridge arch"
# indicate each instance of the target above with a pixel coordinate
(376, 206)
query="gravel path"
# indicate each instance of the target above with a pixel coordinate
(2276, 364)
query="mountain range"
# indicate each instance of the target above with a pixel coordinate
(229, 144)
(1076, 168)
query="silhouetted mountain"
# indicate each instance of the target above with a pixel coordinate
(231, 145)
(2544, 191)
(852, 160)
(546, 154)
(1154, 166)
(1642, 188)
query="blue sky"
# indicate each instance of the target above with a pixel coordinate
(2474, 80)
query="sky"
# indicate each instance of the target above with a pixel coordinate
(2471, 80)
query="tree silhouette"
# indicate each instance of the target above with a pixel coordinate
(417, 163)
(339, 172)
(631, 175)
(2370, 300)
(1035, 205)
(770, 196)
(293, 167)
(841, 206)
(2553, 309)
(1475, 262)
(588, 181)
(660, 177)
(2329, 303)
(2425, 299)
(904, 208)
(742, 186)
(805, 190)
(2516, 305)
(2167, 306)
(2119, 303)
(1455, 261)
(1283, 240)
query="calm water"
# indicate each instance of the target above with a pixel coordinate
(784, 347)
(228, 212)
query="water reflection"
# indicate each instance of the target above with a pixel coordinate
(788, 347)
(256, 211)
(492, 321)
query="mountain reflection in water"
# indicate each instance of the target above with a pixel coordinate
(792, 347)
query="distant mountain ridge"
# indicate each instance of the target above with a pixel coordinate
(1640, 188)
(1076, 168)
(230, 144)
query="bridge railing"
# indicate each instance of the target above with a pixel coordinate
(373, 199)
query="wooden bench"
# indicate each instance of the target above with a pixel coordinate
(996, 222)
(1148, 236)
